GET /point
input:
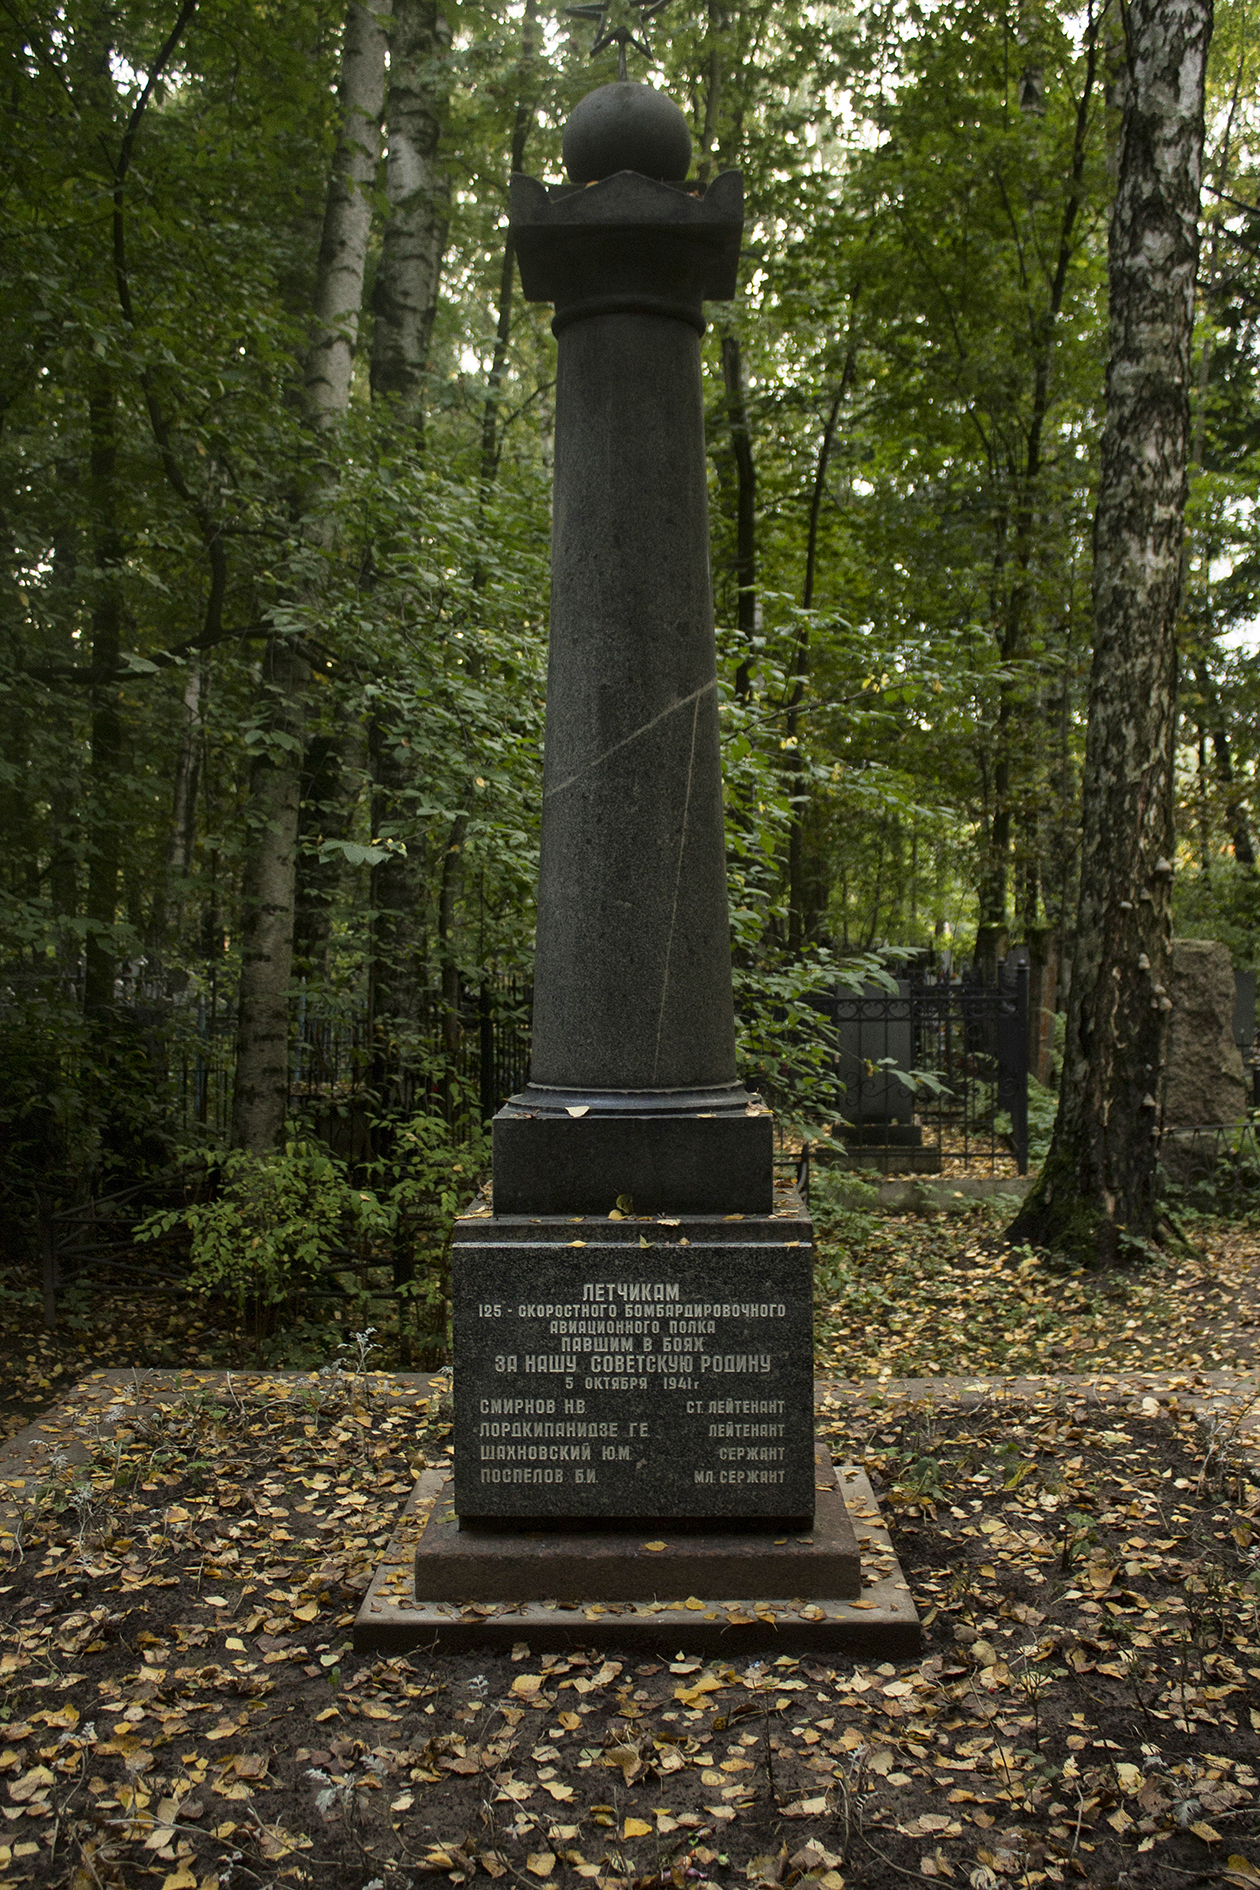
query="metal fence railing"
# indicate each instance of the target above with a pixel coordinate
(340, 1063)
(932, 1078)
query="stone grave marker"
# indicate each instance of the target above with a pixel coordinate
(633, 1307)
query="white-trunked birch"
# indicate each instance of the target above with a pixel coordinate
(1097, 1192)
(418, 194)
(262, 1067)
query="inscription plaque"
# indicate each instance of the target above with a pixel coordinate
(614, 1382)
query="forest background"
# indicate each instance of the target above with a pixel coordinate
(276, 474)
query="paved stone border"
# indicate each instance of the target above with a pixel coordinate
(950, 1194)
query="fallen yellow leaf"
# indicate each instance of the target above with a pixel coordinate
(707, 1683)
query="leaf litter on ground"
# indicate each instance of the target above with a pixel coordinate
(180, 1703)
(906, 1296)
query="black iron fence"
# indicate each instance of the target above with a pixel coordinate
(932, 1078)
(343, 1066)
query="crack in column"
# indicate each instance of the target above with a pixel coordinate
(682, 846)
(625, 741)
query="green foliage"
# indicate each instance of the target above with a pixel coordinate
(271, 1227)
(285, 1238)
(923, 289)
(1223, 903)
(1043, 1107)
(844, 1204)
(1223, 1184)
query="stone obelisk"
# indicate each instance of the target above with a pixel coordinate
(633, 1089)
(632, 1319)
(633, 1314)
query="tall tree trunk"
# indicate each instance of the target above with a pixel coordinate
(405, 300)
(260, 1098)
(398, 958)
(452, 880)
(323, 814)
(63, 797)
(1007, 744)
(522, 124)
(1097, 1189)
(338, 296)
(418, 192)
(182, 836)
(800, 667)
(745, 509)
(179, 853)
(105, 826)
(1233, 795)
(261, 1093)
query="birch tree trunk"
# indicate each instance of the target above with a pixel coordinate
(260, 1097)
(104, 833)
(418, 193)
(404, 303)
(1097, 1196)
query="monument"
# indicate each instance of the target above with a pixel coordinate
(655, 1364)
(1205, 1088)
(633, 1308)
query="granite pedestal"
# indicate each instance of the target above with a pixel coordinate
(683, 1163)
(616, 1372)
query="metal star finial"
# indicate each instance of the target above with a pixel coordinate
(621, 35)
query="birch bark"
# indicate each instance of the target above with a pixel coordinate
(1097, 1193)
(260, 1096)
(418, 193)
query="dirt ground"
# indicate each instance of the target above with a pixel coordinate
(180, 1705)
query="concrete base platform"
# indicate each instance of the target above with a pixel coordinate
(878, 1623)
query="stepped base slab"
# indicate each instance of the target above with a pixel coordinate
(880, 1622)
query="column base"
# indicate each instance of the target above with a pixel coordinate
(399, 1613)
(663, 1164)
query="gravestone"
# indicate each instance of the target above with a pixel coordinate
(633, 1306)
(874, 1038)
(1204, 1082)
(873, 1095)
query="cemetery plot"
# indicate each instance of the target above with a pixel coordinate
(181, 1698)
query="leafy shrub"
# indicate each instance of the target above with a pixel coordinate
(278, 1235)
(271, 1225)
(1043, 1107)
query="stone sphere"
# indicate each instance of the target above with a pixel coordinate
(626, 127)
